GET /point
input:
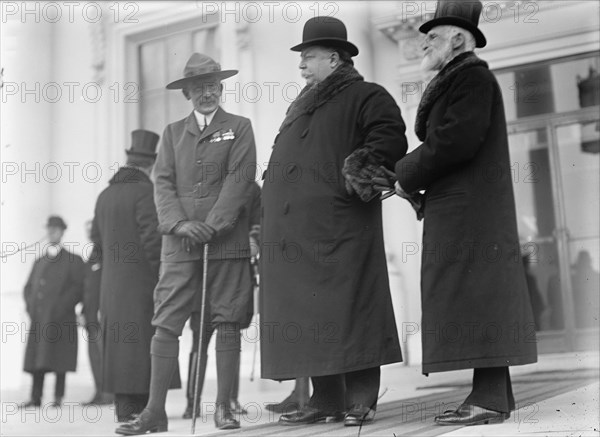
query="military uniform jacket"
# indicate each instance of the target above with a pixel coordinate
(206, 176)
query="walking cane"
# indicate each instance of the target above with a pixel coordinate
(201, 337)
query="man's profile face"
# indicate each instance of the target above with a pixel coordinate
(437, 47)
(316, 64)
(55, 234)
(205, 95)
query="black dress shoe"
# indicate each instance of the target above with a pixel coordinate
(236, 407)
(308, 415)
(57, 403)
(467, 415)
(187, 414)
(289, 405)
(223, 417)
(146, 422)
(359, 415)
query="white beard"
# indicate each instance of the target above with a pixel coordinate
(437, 58)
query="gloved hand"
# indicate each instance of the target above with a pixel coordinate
(196, 231)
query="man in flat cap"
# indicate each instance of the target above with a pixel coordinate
(326, 310)
(473, 283)
(54, 287)
(125, 232)
(203, 178)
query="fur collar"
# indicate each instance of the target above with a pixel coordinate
(440, 84)
(126, 175)
(313, 96)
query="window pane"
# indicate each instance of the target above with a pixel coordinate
(179, 50)
(507, 85)
(576, 84)
(153, 111)
(152, 65)
(206, 41)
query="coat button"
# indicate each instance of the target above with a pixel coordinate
(304, 133)
(286, 207)
(199, 162)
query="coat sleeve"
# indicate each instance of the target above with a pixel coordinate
(381, 122)
(147, 225)
(233, 197)
(458, 137)
(96, 253)
(169, 208)
(28, 290)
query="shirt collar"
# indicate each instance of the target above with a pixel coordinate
(200, 118)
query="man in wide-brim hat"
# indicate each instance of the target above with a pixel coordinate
(476, 309)
(325, 274)
(203, 179)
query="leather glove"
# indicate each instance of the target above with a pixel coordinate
(197, 232)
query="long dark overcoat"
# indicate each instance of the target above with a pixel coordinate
(125, 228)
(476, 309)
(325, 303)
(53, 289)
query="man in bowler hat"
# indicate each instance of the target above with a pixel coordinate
(472, 274)
(53, 289)
(325, 272)
(203, 177)
(125, 232)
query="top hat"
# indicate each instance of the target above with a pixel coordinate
(143, 142)
(464, 14)
(200, 66)
(325, 31)
(55, 221)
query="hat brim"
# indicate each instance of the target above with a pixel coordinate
(328, 42)
(220, 75)
(480, 40)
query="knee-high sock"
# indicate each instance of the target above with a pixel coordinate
(235, 385)
(491, 389)
(228, 355)
(164, 351)
(203, 360)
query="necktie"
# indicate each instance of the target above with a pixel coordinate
(205, 125)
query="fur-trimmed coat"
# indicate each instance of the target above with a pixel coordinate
(476, 309)
(325, 302)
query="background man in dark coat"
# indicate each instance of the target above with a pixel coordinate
(326, 310)
(91, 307)
(203, 176)
(476, 309)
(53, 289)
(125, 229)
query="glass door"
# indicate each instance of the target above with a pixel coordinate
(556, 179)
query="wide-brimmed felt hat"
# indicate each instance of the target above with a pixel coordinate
(143, 143)
(464, 14)
(326, 32)
(55, 221)
(200, 66)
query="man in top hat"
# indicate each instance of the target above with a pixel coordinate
(473, 283)
(124, 230)
(53, 289)
(203, 178)
(326, 310)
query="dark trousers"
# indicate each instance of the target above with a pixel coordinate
(95, 352)
(38, 385)
(492, 389)
(127, 404)
(343, 391)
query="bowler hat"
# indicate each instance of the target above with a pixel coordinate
(200, 66)
(55, 221)
(461, 13)
(143, 142)
(326, 32)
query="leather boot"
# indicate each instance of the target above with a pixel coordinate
(223, 417)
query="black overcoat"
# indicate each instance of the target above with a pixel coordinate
(125, 228)
(53, 289)
(476, 309)
(325, 302)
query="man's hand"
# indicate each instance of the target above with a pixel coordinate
(197, 232)
(400, 192)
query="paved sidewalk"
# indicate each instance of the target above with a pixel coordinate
(558, 396)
